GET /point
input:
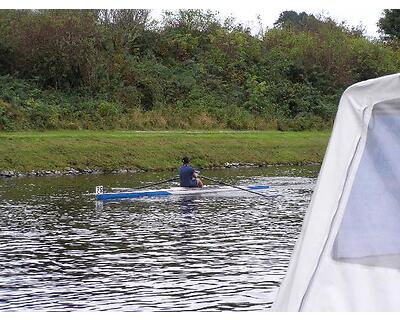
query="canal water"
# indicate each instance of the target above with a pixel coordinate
(60, 250)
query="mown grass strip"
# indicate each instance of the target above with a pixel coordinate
(156, 150)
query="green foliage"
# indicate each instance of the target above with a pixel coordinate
(57, 47)
(5, 123)
(389, 24)
(106, 69)
(301, 122)
(301, 21)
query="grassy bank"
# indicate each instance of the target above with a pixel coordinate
(109, 150)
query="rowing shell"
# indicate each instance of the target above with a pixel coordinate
(100, 195)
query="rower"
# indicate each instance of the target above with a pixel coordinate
(188, 176)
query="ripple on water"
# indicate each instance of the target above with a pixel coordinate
(178, 254)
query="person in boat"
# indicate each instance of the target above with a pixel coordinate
(188, 176)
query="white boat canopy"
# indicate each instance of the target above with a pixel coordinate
(347, 257)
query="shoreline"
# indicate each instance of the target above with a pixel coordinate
(9, 174)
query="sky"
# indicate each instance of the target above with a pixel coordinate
(365, 13)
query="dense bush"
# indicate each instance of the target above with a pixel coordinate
(104, 69)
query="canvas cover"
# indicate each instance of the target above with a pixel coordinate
(347, 257)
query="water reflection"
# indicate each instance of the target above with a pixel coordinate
(58, 251)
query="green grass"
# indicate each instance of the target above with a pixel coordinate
(155, 150)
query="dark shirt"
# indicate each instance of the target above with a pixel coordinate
(186, 176)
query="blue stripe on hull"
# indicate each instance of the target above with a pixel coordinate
(124, 195)
(258, 187)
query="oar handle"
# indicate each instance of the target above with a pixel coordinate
(227, 184)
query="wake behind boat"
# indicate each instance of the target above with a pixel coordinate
(139, 193)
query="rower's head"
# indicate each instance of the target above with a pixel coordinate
(185, 160)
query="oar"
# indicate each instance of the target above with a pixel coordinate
(229, 185)
(149, 185)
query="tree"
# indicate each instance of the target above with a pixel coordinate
(58, 47)
(124, 27)
(192, 20)
(292, 19)
(389, 24)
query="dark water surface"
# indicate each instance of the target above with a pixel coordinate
(59, 250)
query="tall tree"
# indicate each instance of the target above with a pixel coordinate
(292, 19)
(389, 24)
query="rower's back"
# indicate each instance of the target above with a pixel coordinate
(186, 175)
